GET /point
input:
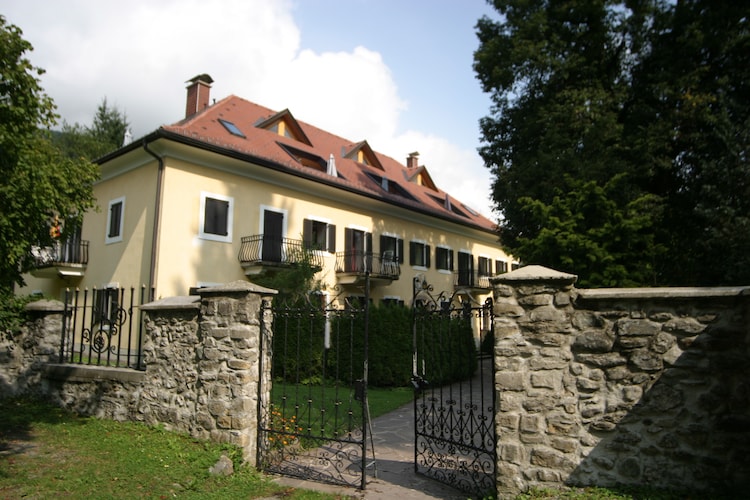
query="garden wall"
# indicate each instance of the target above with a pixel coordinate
(202, 364)
(621, 386)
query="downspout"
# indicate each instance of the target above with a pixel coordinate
(157, 216)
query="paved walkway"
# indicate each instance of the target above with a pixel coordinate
(393, 438)
(393, 475)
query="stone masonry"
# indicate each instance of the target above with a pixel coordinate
(202, 366)
(621, 386)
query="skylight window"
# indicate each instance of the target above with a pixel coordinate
(231, 128)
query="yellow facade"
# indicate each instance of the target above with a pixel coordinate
(184, 259)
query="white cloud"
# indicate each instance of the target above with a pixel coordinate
(138, 55)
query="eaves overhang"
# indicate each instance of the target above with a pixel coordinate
(162, 134)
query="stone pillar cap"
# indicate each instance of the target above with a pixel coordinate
(237, 286)
(536, 273)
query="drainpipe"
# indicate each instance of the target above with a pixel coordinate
(157, 216)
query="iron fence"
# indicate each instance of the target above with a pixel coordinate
(104, 327)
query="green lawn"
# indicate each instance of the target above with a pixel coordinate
(46, 452)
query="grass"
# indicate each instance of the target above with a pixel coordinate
(319, 412)
(46, 452)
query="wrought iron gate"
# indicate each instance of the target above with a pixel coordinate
(454, 403)
(314, 425)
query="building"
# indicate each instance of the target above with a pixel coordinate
(236, 190)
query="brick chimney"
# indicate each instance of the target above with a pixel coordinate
(198, 93)
(412, 160)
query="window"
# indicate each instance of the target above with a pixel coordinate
(392, 302)
(319, 235)
(465, 269)
(444, 259)
(392, 247)
(216, 217)
(231, 128)
(501, 267)
(115, 221)
(390, 186)
(484, 266)
(419, 254)
(106, 306)
(307, 159)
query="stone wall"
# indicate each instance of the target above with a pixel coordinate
(622, 386)
(201, 355)
(24, 355)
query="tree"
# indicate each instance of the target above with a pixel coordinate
(651, 93)
(38, 182)
(109, 126)
(106, 134)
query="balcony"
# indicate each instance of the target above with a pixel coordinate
(352, 267)
(64, 259)
(471, 280)
(261, 253)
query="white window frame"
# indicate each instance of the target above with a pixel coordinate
(202, 218)
(327, 222)
(491, 265)
(424, 254)
(450, 252)
(115, 239)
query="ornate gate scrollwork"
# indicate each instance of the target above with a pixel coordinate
(454, 417)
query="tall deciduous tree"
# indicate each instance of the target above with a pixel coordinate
(650, 93)
(37, 181)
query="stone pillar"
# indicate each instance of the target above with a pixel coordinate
(230, 365)
(536, 419)
(203, 364)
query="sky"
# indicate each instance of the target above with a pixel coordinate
(397, 73)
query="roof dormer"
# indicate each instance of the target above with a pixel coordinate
(418, 174)
(285, 125)
(362, 153)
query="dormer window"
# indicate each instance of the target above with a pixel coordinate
(447, 204)
(362, 153)
(285, 125)
(309, 160)
(390, 186)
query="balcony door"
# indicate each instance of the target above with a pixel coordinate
(273, 234)
(465, 269)
(358, 250)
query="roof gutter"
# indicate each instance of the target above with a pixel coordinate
(157, 216)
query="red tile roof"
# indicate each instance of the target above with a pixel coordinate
(268, 145)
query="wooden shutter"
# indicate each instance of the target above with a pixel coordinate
(331, 239)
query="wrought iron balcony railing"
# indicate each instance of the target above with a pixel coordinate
(73, 251)
(358, 263)
(472, 279)
(272, 251)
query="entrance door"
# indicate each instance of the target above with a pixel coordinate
(273, 227)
